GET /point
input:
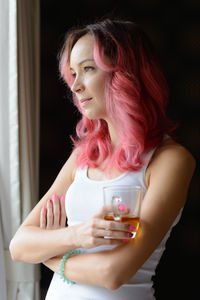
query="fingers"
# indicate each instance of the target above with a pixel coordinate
(50, 214)
(56, 212)
(103, 230)
(53, 215)
(43, 217)
(118, 235)
(63, 211)
(110, 229)
(106, 230)
(113, 225)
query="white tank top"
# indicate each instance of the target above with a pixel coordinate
(83, 199)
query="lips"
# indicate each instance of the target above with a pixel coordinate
(84, 101)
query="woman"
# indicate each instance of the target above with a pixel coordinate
(123, 138)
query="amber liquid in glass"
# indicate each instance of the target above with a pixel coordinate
(135, 221)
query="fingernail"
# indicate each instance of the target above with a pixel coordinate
(121, 207)
(132, 227)
(49, 201)
(63, 199)
(55, 197)
(44, 208)
(130, 234)
(125, 240)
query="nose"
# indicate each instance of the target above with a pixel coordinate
(77, 85)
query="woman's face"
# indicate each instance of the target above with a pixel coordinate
(89, 79)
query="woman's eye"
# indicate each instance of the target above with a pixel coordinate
(88, 68)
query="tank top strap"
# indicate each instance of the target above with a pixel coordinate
(80, 173)
(147, 158)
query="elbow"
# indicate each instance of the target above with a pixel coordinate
(19, 254)
(113, 285)
(13, 251)
(22, 250)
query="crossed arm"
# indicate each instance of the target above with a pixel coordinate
(168, 178)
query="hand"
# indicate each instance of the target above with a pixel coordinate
(53, 215)
(93, 232)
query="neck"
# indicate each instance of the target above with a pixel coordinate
(113, 134)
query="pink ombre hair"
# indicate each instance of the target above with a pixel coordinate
(136, 96)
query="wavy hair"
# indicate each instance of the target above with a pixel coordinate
(136, 96)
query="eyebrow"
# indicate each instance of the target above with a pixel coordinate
(83, 61)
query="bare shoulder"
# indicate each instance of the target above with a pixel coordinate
(172, 155)
(171, 170)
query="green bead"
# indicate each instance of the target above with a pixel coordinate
(62, 263)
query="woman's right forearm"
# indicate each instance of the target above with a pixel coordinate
(34, 245)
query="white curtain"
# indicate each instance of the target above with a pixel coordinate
(19, 138)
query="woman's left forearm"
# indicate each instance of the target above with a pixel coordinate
(87, 268)
(108, 269)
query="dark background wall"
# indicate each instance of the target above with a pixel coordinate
(174, 28)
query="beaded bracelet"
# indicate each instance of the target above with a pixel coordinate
(62, 263)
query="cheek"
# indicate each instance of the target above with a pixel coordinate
(98, 86)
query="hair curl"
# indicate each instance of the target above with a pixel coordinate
(136, 96)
